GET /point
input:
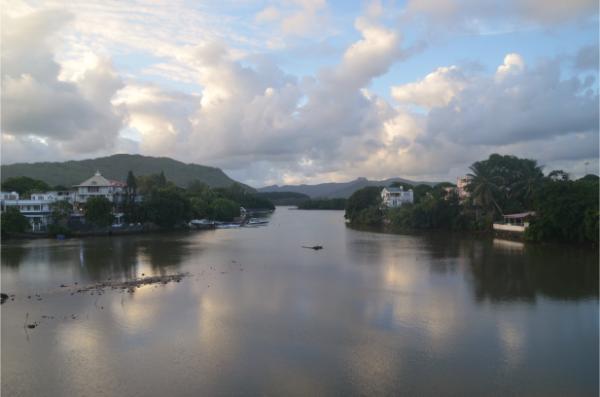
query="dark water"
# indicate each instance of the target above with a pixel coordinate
(370, 314)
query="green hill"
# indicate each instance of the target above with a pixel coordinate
(70, 173)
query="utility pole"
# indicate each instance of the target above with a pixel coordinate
(586, 164)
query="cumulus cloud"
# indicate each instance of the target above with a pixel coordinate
(517, 104)
(435, 89)
(75, 116)
(199, 98)
(251, 112)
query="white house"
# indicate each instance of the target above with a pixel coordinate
(393, 197)
(9, 196)
(37, 211)
(99, 186)
(461, 187)
(65, 195)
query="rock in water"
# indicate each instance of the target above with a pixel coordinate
(3, 297)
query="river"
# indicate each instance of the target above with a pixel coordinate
(369, 314)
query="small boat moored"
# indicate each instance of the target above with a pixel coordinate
(257, 221)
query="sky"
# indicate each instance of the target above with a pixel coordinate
(303, 91)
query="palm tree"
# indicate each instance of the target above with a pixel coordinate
(484, 187)
(529, 181)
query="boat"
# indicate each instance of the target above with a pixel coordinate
(202, 224)
(222, 225)
(257, 221)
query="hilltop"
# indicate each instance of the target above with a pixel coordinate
(339, 190)
(70, 173)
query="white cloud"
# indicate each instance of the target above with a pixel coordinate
(76, 116)
(210, 95)
(517, 104)
(435, 89)
(296, 17)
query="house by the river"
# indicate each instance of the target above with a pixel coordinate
(393, 197)
(38, 207)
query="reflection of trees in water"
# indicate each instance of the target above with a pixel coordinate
(443, 251)
(552, 271)
(163, 253)
(506, 272)
(38, 252)
(13, 255)
(119, 257)
(108, 257)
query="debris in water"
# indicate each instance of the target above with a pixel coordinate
(130, 285)
(314, 247)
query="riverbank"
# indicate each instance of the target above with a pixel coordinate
(133, 229)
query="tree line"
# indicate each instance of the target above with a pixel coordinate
(566, 210)
(148, 198)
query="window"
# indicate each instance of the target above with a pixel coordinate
(93, 189)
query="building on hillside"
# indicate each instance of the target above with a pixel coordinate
(63, 195)
(393, 197)
(461, 187)
(37, 211)
(9, 196)
(99, 186)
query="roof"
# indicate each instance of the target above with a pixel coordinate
(99, 180)
(520, 215)
(117, 183)
(395, 189)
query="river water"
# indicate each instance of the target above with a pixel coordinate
(370, 314)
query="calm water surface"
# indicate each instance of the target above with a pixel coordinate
(371, 314)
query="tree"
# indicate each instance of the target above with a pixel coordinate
(131, 185)
(363, 199)
(130, 206)
(167, 207)
(98, 211)
(243, 197)
(504, 183)
(566, 211)
(526, 180)
(484, 187)
(225, 210)
(24, 185)
(60, 212)
(12, 221)
(146, 184)
(162, 180)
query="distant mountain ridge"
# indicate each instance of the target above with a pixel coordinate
(70, 173)
(339, 190)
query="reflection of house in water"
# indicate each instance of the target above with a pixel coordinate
(508, 245)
